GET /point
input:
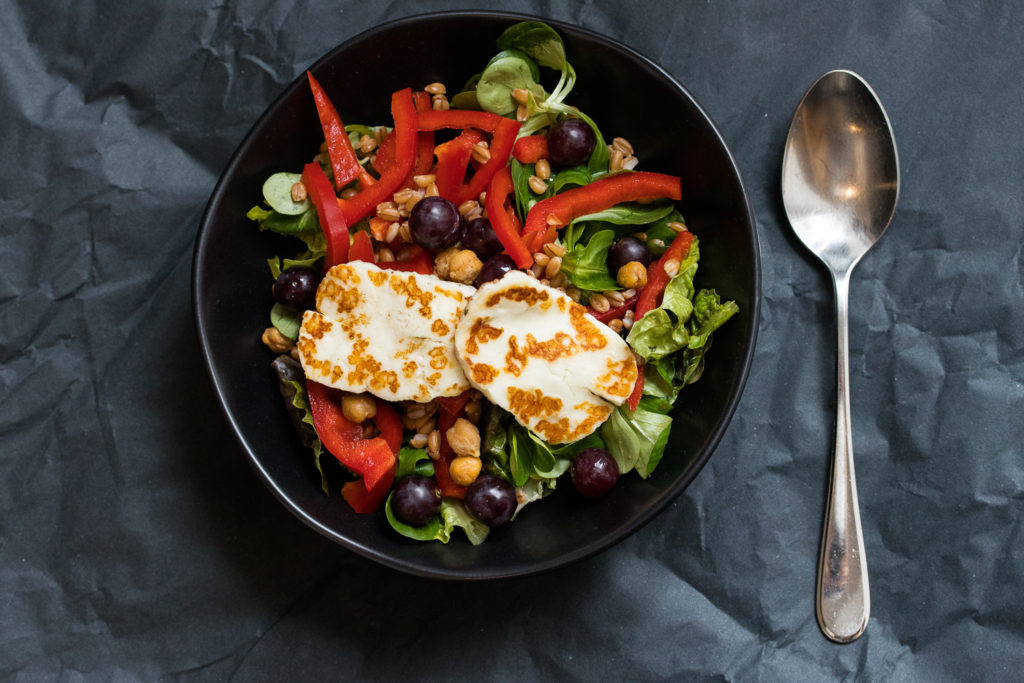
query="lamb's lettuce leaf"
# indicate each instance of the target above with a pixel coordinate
(586, 266)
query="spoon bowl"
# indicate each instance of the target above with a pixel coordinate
(840, 173)
(840, 183)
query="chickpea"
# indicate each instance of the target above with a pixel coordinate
(277, 342)
(442, 262)
(465, 470)
(358, 408)
(464, 438)
(464, 266)
(633, 275)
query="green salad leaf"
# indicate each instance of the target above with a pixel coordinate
(286, 320)
(304, 226)
(454, 514)
(307, 433)
(530, 456)
(663, 330)
(431, 531)
(277, 192)
(413, 461)
(636, 439)
(509, 70)
(586, 266)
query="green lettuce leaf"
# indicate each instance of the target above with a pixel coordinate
(636, 439)
(663, 331)
(454, 514)
(300, 401)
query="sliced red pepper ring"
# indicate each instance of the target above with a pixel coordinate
(530, 149)
(502, 220)
(361, 248)
(332, 220)
(404, 113)
(372, 459)
(657, 278)
(343, 158)
(548, 215)
(503, 139)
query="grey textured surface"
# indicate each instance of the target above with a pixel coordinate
(136, 543)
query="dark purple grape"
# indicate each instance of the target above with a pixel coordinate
(296, 287)
(625, 250)
(415, 500)
(435, 224)
(570, 142)
(491, 499)
(479, 236)
(495, 268)
(594, 472)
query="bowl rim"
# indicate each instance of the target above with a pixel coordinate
(599, 544)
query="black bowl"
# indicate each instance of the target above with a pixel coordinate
(628, 96)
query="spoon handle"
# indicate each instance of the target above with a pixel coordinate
(843, 598)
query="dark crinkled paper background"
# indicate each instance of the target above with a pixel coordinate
(136, 543)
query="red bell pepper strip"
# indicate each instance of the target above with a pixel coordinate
(404, 114)
(530, 149)
(421, 100)
(385, 156)
(548, 215)
(425, 138)
(453, 160)
(343, 158)
(421, 261)
(332, 220)
(503, 139)
(638, 388)
(451, 408)
(657, 278)
(364, 501)
(389, 424)
(502, 220)
(369, 458)
(362, 248)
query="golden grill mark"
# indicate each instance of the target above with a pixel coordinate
(561, 346)
(515, 360)
(620, 378)
(528, 295)
(316, 326)
(438, 358)
(529, 404)
(439, 328)
(481, 333)
(483, 373)
(407, 287)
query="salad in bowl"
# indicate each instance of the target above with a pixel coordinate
(486, 298)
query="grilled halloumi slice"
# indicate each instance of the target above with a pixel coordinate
(532, 350)
(386, 332)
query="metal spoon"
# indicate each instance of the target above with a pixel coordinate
(840, 182)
